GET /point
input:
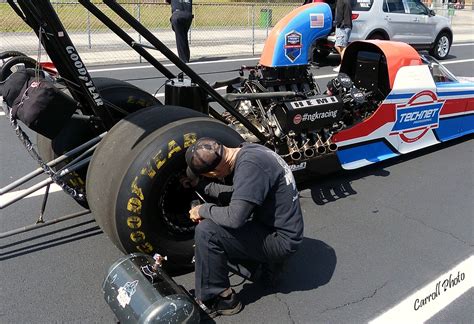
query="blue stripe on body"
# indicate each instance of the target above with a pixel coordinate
(400, 95)
(454, 84)
(373, 152)
(453, 127)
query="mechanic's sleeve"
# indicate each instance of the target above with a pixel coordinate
(233, 216)
(221, 192)
(251, 187)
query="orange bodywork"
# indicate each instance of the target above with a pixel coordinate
(397, 54)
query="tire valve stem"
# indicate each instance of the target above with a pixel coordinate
(159, 259)
(193, 260)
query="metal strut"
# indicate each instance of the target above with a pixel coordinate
(44, 224)
(153, 40)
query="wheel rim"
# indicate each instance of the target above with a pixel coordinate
(174, 205)
(443, 46)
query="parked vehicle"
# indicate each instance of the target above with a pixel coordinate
(408, 21)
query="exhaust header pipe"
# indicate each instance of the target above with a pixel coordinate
(332, 147)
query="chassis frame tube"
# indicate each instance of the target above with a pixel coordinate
(128, 18)
(43, 19)
(52, 163)
(44, 183)
(126, 38)
(44, 224)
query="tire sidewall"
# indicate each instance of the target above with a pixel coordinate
(437, 45)
(139, 220)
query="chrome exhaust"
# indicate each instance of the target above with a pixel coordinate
(294, 151)
(295, 154)
(332, 147)
(320, 148)
(308, 151)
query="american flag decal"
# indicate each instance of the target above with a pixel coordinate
(316, 20)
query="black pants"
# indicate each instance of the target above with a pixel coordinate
(181, 22)
(216, 245)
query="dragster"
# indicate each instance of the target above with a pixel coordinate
(119, 151)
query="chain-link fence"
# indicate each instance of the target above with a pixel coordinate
(218, 29)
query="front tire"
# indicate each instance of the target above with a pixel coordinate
(140, 204)
(441, 47)
(378, 36)
(13, 64)
(77, 132)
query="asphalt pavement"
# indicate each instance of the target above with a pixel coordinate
(374, 237)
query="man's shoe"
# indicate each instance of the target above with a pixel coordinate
(229, 305)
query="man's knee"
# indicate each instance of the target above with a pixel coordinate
(204, 229)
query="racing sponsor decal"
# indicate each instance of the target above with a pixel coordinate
(293, 45)
(297, 119)
(313, 102)
(297, 167)
(319, 115)
(126, 292)
(415, 118)
(83, 75)
(316, 20)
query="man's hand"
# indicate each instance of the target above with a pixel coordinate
(194, 214)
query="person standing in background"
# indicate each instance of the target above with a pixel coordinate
(181, 18)
(343, 23)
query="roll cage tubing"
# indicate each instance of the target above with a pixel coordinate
(42, 18)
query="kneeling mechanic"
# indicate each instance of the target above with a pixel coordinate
(261, 222)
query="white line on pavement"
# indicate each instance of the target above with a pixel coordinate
(456, 61)
(433, 297)
(2, 113)
(10, 195)
(212, 62)
(171, 64)
(464, 44)
(125, 68)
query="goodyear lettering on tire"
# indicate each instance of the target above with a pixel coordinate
(136, 198)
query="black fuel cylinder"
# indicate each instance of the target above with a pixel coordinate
(139, 292)
(182, 92)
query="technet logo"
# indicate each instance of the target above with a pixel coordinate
(319, 115)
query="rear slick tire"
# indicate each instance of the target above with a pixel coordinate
(142, 207)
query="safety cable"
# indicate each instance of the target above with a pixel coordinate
(25, 140)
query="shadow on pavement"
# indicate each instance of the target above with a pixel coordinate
(31, 248)
(311, 267)
(329, 189)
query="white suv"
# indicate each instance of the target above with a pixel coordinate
(408, 21)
